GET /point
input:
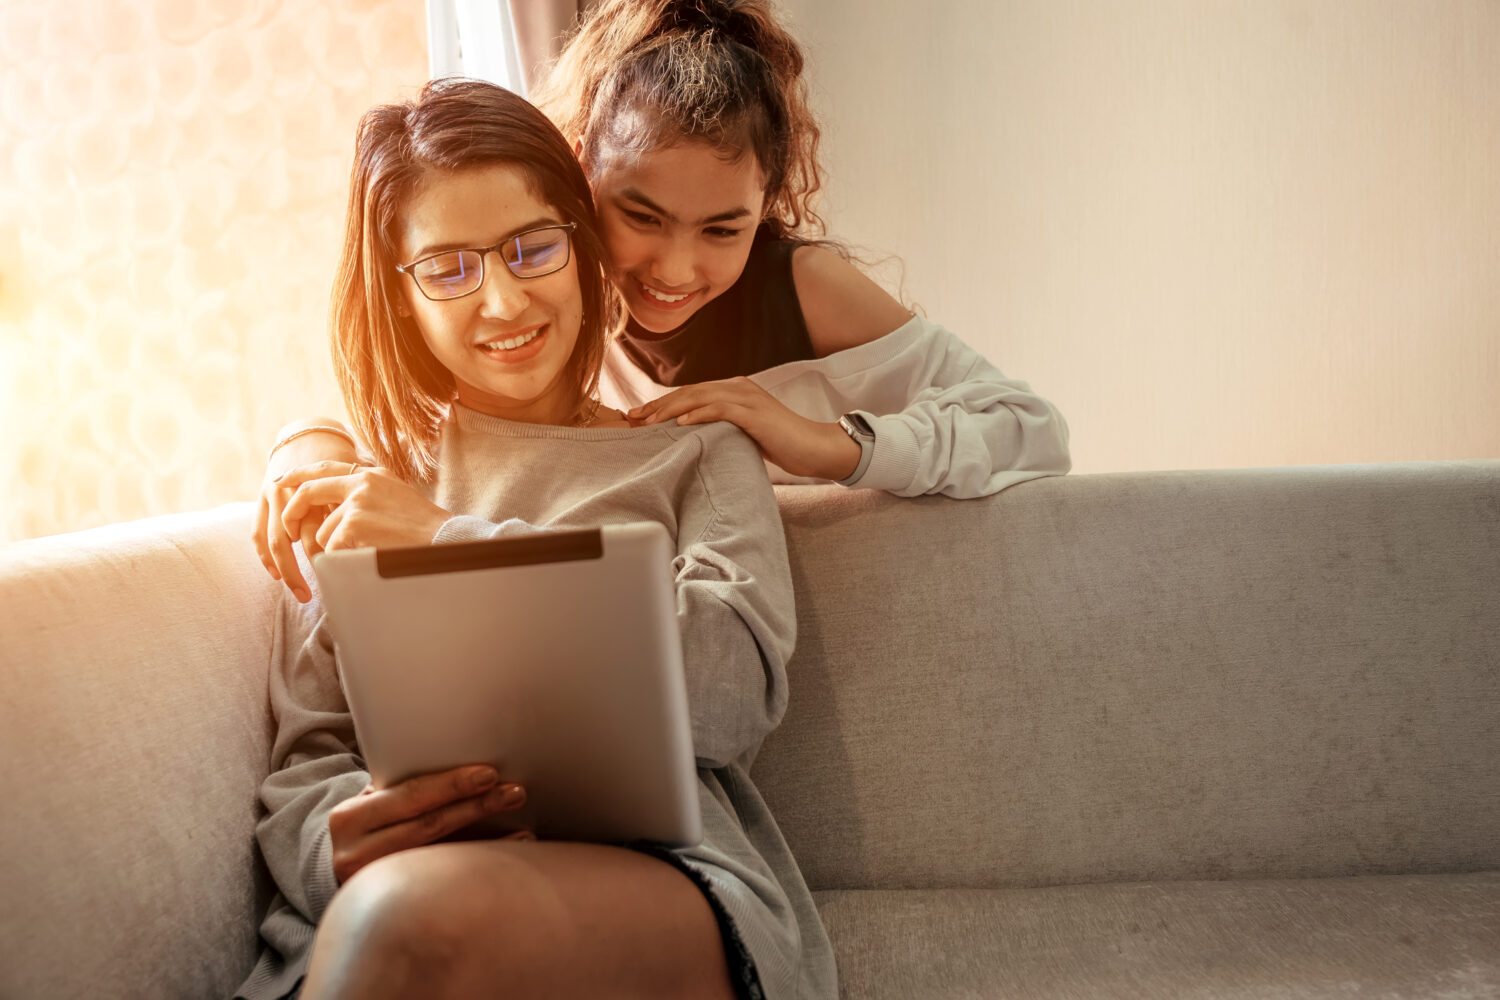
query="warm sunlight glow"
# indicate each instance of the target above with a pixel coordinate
(172, 184)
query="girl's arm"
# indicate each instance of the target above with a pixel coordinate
(944, 419)
(299, 444)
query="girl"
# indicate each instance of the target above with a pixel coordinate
(691, 121)
(469, 323)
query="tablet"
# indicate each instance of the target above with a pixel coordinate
(554, 656)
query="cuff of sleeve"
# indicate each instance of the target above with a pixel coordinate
(894, 459)
(466, 528)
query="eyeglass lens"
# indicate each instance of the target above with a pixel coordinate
(459, 272)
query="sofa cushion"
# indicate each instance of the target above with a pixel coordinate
(1302, 939)
(1147, 676)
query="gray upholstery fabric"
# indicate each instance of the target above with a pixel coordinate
(1136, 677)
(1251, 674)
(134, 732)
(1375, 938)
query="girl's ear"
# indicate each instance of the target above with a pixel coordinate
(578, 154)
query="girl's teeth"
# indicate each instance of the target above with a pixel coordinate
(662, 297)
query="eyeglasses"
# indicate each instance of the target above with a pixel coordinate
(454, 273)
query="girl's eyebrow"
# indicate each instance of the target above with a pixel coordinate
(635, 195)
(433, 248)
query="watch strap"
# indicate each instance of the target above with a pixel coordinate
(858, 429)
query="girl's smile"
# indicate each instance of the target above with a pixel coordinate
(677, 223)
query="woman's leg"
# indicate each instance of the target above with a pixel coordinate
(508, 919)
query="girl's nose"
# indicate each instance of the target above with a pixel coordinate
(502, 294)
(673, 265)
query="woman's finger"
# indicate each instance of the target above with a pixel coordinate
(326, 492)
(425, 793)
(430, 826)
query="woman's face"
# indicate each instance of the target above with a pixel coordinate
(677, 223)
(539, 318)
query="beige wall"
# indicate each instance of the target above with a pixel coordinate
(1215, 232)
(172, 183)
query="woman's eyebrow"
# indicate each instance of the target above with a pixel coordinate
(432, 248)
(634, 195)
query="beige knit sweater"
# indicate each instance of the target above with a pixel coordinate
(707, 484)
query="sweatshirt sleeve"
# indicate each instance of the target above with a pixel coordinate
(945, 419)
(735, 607)
(314, 760)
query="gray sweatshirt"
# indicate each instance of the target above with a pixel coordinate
(736, 616)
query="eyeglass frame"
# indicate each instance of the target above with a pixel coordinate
(485, 252)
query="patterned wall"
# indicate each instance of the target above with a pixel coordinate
(172, 183)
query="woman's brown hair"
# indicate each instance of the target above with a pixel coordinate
(640, 74)
(397, 393)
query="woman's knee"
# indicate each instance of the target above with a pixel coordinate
(410, 912)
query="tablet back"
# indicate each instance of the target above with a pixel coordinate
(553, 656)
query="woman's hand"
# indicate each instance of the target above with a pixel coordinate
(366, 507)
(418, 811)
(273, 542)
(801, 446)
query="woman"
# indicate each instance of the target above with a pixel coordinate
(691, 120)
(470, 373)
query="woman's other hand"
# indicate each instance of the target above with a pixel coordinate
(367, 506)
(273, 543)
(418, 811)
(801, 446)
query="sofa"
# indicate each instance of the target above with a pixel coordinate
(1229, 734)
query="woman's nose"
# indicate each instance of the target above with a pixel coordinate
(502, 294)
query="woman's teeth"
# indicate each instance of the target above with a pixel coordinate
(513, 342)
(663, 297)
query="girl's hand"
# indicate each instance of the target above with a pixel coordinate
(366, 507)
(801, 446)
(418, 811)
(273, 542)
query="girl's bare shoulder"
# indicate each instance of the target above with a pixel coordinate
(841, 305)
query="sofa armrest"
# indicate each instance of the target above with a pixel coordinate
(135, 731)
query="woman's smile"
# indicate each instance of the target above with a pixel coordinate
(514, 348)
(508, 342)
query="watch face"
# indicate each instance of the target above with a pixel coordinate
(857, 426)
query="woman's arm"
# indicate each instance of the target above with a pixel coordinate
(735, 606)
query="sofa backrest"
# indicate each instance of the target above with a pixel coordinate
(1263, 672)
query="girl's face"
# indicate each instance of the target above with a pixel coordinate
(538, 318)
(677, 223)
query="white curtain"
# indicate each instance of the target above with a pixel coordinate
(508, 42)
(474, 38)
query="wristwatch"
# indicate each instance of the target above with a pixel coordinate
(858, 429)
